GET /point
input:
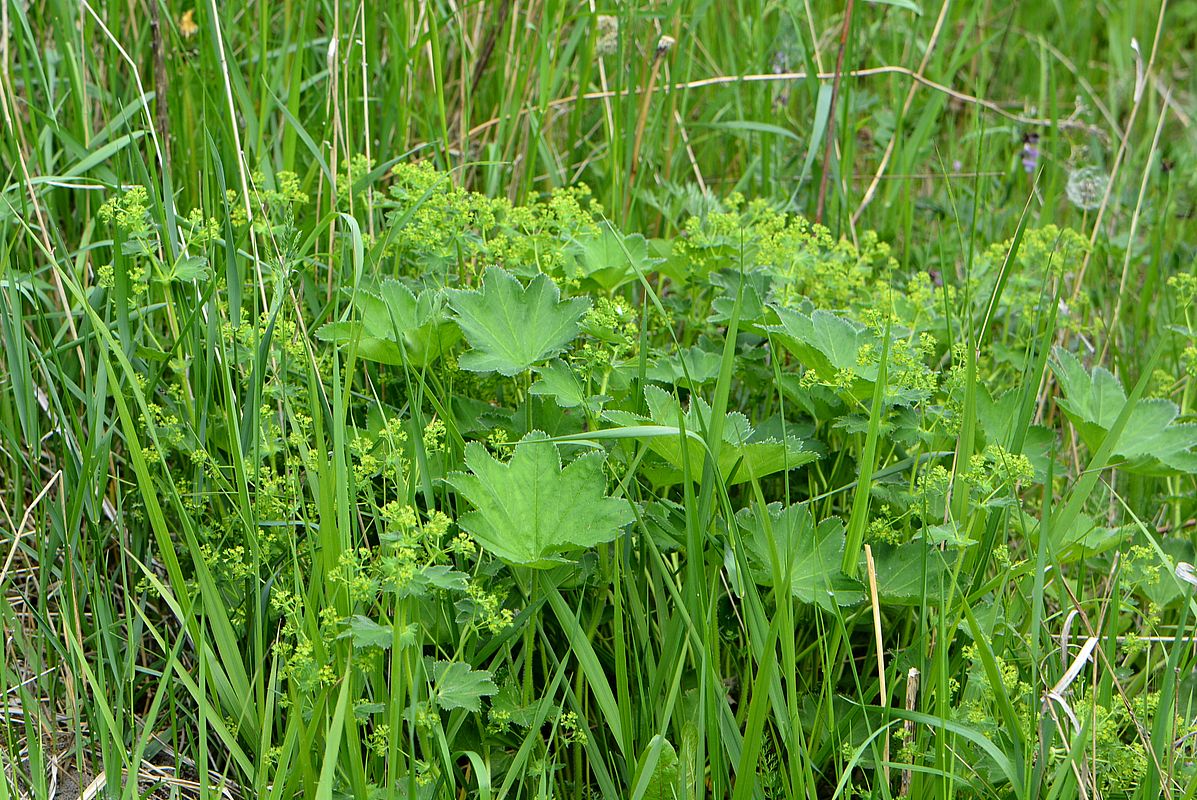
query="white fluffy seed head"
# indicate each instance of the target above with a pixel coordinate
(1086, 187)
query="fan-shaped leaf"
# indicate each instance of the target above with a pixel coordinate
(529, 510)
(742, 457)
(512, 327)
(1151, 443)
(806, 556)
(458, 685)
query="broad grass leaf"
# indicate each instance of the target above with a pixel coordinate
(512, 327)
(530, 510)
(909, 5)
(805, 555)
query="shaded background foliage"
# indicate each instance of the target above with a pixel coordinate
(249, 345)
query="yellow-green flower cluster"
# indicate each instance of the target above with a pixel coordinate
(434, 435)
(355, 571)
(533, 234)
(979, 706)
(488, 609)
(906, 364)
(355, 169)
(399, 517)
(1184, 288)
(1047, 259)
(570, 729)
(804, 259)
(1123, 763)
(996, 468)
(128, 211)
(284, 196)
(612, 336)
(434, 221)
(884, 528)
(198, 231)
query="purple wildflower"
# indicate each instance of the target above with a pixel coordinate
(1030, 152)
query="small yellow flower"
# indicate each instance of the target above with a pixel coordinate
(187, 26)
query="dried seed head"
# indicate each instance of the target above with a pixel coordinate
(1086, 187)
(664, 44)
(608, 34)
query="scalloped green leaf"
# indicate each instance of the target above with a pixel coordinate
(843, 353)
(365, 632)
(806, 556)
(742, 457)
(911, 574)
(558, 381)
(458, 685)
(1151, 443)
(691, 368)
(512, 327)
(530, 510)
(396, 325)
(609, 259)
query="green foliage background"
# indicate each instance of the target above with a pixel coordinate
(736, 399)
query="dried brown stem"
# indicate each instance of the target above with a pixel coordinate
(829, 136)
